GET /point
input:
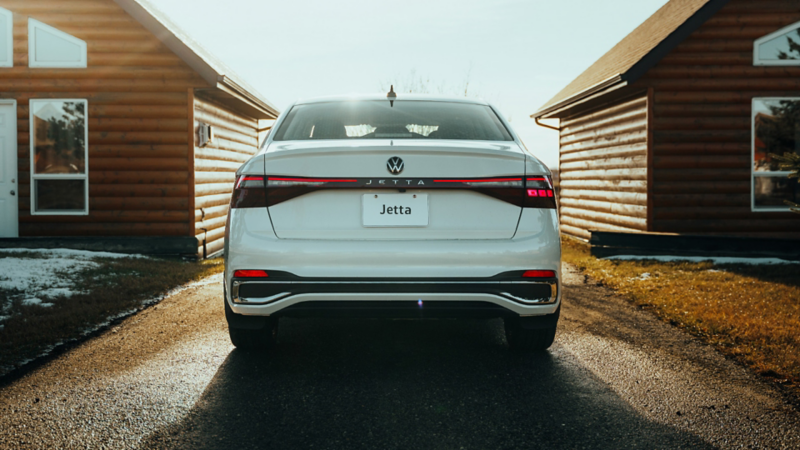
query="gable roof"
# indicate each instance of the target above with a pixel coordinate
(231, 88)
(637, 53)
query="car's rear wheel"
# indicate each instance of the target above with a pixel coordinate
(251, 333)
(257, 340)
(531, 334)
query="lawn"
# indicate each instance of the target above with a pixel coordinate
(748, 312)
(53, 297)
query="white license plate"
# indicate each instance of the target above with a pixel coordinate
(395, 210)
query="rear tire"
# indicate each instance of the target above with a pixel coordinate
(251, 332)
(254, 340)
(529, 335)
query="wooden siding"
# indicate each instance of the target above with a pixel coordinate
(235, 141)
(702, 123)
(603, 169)
(139, 149)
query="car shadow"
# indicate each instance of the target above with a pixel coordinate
(409, 384)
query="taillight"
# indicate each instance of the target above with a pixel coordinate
(250, 274)
(250, 191)
(539, 193)
(539, 274)
(281, 189)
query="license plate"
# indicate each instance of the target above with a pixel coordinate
(395, 210)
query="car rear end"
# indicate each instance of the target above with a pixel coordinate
(414, 208)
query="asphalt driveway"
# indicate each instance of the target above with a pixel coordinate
(616, 378)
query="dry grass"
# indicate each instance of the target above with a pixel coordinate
(116, 286)
(751, 313)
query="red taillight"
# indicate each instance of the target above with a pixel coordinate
(250, 274)
(250, 191)
(539, 274)
(539, 192)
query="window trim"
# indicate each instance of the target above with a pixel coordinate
(753, 173)
(33, 176)
(8, 16)
(33, 24)
(757, 61)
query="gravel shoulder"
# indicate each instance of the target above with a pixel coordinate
(616, 378)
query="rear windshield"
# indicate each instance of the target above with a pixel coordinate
(404, 120)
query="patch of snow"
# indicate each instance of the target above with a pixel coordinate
(2, 318)
(70, 253)
(57, 292)
(644, 276)
(36, 274)
(712, 259)
(31, 301)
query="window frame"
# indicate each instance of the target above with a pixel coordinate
(8, 16)
(34, 177)
(33, 24)
(753, 173)
(757, 61)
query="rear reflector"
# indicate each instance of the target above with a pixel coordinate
(250, 274)
(539, 274)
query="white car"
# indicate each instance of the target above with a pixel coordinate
(393, 206)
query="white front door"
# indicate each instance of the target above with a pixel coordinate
(9, 182)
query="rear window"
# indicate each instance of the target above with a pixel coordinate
(404, 120)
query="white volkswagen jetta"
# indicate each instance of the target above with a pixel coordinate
(406, 206)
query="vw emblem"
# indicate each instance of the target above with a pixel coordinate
(395, 165)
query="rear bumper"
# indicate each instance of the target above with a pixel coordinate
(340, 272)
(287, 294)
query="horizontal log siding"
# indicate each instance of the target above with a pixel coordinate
(701, 124)
(137, 117)
(603, 169)
(235, 141)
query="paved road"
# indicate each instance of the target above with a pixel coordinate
(617, 378)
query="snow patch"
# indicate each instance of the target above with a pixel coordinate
(70, 253)
(712, 259)
(31, 301)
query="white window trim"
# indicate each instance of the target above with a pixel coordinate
(8, 16)
(33, 24)
(757, 61)
(84, 176)
(753, 173)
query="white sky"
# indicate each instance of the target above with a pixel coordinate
(517, 54)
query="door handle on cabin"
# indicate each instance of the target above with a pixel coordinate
(13, 193)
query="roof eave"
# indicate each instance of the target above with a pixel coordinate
(208, 69)
(641, 67)
(608, 85)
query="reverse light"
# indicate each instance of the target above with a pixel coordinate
(539, 274)
(250, 274)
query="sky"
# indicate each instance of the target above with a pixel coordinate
(517, 54)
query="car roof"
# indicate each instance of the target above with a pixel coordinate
(400, 97)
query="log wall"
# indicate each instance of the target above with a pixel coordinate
(235, 141)
(603, 169)
(138, 110)
(702, 123)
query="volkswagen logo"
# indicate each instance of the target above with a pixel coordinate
(395, 165)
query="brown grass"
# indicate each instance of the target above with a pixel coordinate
(116, 286)
(751, 313)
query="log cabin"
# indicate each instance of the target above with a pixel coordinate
(671, 131)
(117, 131)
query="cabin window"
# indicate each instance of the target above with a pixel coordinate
(6, 38)
(50, 47)
(59, 157)
(781, 48)
(776, 131)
